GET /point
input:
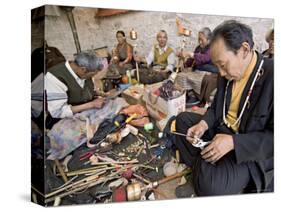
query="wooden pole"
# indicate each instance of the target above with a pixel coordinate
(138, 73)
(62, 173)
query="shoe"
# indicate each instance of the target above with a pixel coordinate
(192, 101)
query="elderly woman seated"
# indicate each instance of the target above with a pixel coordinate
(199, 75)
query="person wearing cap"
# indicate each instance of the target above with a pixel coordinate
(70, 88)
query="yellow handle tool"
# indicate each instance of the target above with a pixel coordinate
(129, 119)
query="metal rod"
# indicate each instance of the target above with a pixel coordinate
(180, 134)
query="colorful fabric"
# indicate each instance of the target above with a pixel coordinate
(70, 133)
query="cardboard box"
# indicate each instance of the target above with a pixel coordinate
(159, 108)
(134, 94)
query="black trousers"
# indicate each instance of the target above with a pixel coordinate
(222, 178)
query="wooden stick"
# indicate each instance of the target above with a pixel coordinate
(178, 156)
(61, 171)
(141, 178)
(82, 186)
(68, 182)
(86, 179)
(138, 73)
(90, 168)
(180, 174)
(86, 169)
(79, 172)
(85, 186)
(37, 191)
(115, 162)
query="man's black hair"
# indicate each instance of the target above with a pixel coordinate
(120, 32)
(234, 34)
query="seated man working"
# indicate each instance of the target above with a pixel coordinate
(162, 59)
(70, 88)
(75, 110)
(239, 123)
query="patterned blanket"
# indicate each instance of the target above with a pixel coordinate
(70, 133)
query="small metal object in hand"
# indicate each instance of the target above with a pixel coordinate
(199, 143)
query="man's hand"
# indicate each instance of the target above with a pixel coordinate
(185, 54)
(196, 131)
(180, 54)
(97, 103)
(220, 145)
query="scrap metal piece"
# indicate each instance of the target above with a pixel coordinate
(200, 143)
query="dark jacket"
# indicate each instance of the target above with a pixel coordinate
(253, 144)
(41, 59)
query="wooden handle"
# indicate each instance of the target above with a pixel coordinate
(180, 174)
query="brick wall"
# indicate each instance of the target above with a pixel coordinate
(97, 32)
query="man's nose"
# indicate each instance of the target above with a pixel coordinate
(222, 73)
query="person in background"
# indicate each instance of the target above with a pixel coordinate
(200, 73)
(161, 58)
(270, 40)
(42, 59)
(122, 55)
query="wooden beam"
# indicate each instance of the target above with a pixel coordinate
(109, 12)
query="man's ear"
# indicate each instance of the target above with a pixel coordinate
(246, 49)
(84, 69)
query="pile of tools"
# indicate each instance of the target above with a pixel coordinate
(114, 167)
(123, 179)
